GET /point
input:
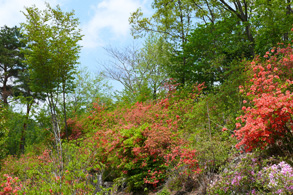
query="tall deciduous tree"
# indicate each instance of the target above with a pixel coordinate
(10, 59)
(52, 37)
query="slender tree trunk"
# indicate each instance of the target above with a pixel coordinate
(251, 39)
(64, 111)
(56, 131)
(183, 79)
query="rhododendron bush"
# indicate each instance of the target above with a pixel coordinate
(10, 186)
(142, 143)
(268, 110)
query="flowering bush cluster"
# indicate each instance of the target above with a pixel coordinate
(268, 116)
(251, 176)
(142, 143)
(10, 186)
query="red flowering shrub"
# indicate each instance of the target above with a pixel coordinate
(268, 116)
(10, 186)
(142, 143)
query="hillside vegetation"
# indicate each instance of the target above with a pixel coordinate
(207, 104)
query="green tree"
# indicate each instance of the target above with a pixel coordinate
(20, 138)
(172, 19)
(262, 20)
(52, 37)
(213, 49)
(10, 59)
(65, 51)
(270, 25)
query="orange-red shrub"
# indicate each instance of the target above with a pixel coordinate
(268, 116)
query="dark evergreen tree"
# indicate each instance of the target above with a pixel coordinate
(10, 59)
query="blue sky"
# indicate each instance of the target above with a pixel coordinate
(103, 23)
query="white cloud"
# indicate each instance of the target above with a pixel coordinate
(111, 17)
(107, 19)
(10, 10)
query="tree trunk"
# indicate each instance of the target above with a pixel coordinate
(65, 117)
(155, 92)
(288, 12)
(5, 92)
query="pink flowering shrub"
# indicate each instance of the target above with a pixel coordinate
(254, 176)
(279, 177)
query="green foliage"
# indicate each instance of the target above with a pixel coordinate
(268, 32)
(213, 50)
(34, 134)
(37, 171)
(164, 192)
(206, 36)
(3, 131)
